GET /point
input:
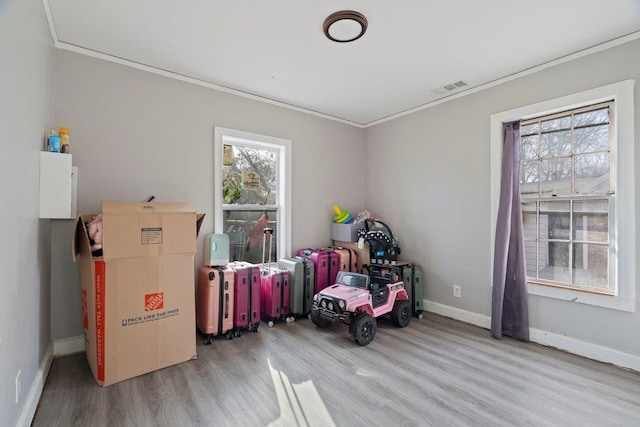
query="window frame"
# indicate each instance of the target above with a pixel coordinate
(572, 197)
(623, 233)
(283, 202)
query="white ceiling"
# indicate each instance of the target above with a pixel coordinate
(276, 50)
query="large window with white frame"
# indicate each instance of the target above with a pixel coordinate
(568, 198)
(252, 193)
(577, 185)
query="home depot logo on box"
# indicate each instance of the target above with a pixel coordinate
(154, 301)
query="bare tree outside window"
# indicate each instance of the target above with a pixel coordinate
(249, 180)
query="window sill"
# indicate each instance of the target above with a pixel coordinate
(598, 300)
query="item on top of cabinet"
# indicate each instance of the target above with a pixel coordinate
(63, 133)
(54, 143)
(47, 143)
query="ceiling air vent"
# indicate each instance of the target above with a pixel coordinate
(450, 87)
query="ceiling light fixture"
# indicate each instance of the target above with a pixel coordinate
(344, 26)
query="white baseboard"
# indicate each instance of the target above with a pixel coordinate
(458, 314)
(67, 346)
(35, 391)
(586, 349)
(550, 339)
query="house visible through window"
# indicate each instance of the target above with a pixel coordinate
(251, 194)
(568, 198)
(577, 183)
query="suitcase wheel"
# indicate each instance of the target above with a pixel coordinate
(419, 315)
(229, 335)
(290, 319)
(270, 323)
(208, 339)
(237, 333)
(254, 328)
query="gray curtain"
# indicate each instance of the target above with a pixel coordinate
(509, 310)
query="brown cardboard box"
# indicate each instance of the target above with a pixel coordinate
(138, 298)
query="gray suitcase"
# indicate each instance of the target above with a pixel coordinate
(413, 282)
(301, 272)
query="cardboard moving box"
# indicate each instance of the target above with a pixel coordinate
(138, 298)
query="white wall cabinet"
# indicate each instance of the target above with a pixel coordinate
(58, 186)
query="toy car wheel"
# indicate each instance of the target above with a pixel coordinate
(363, 329)
(319, 321)
(401, 313)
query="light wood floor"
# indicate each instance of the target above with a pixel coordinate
(435, 372)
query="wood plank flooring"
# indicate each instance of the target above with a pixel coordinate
(435, 372)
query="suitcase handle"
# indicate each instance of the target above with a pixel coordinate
(266, 232)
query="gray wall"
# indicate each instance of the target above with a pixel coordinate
(25, 113)
(135, 134)
(436, 196)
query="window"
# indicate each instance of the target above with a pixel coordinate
(567, 193)
(252, 192)
(577, 187)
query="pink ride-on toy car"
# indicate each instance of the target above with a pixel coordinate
(357, 299)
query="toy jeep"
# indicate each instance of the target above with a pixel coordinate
(357, 299)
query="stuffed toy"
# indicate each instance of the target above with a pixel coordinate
(94, 228)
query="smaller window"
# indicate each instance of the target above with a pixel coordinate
(252, 194)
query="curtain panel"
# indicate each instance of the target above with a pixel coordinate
(509, 309)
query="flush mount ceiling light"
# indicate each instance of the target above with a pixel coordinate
(344, 26)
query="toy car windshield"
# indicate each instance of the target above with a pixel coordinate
(355, 280)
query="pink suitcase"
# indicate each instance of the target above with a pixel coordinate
(326, 263)
(274, 294)
(348, 259)
(214, 302)
(246, 290)
(274, 287)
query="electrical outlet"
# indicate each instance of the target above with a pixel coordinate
(457, 291)
(18, 386)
